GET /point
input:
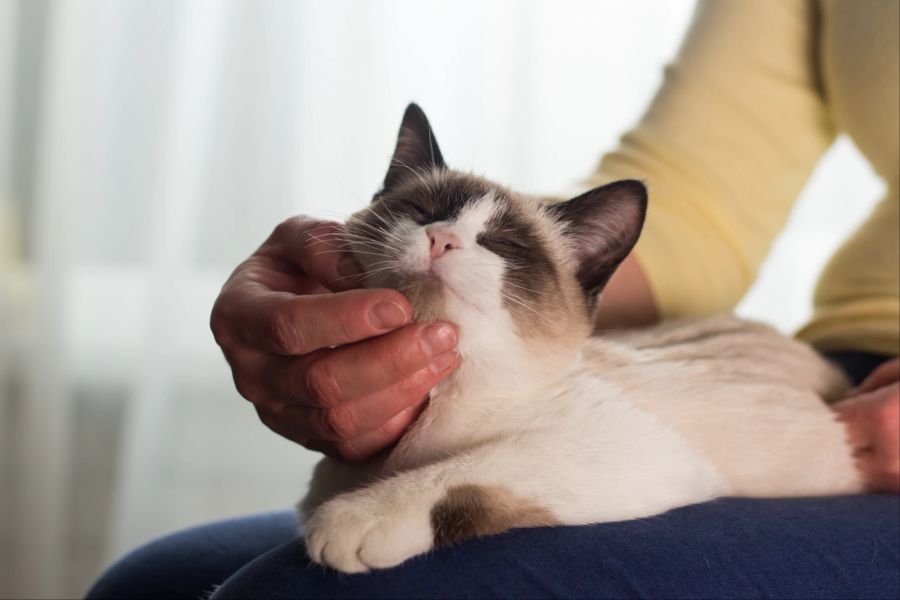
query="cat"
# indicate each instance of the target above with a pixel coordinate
(545, 423)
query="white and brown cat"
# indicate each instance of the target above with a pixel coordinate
(544, 423)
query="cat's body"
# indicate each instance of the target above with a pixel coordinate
(543, 423)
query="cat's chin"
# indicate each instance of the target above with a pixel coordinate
(432, 297)
(426, 292)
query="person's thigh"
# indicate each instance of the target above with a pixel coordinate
(843, 547)
(190, 563)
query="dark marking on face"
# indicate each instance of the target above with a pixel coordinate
(430, 198)
(469, 511)
(435, 196)
(530, 271)
(537, 285)
(531, 276)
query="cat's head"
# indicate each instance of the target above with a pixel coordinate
(518, 274)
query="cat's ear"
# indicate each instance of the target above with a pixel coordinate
(416, 151)
(603, 226)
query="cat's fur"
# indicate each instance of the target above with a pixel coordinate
(543, 423)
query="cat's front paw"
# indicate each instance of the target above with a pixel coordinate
(357, 532)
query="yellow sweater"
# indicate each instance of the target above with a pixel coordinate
(756, 95)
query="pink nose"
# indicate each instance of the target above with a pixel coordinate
(442, 240)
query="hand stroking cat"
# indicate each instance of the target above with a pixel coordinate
(544, 422)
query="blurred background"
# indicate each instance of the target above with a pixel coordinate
(147, 146)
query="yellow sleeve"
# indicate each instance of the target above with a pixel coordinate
(725, 147)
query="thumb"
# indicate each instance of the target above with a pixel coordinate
(319, 249)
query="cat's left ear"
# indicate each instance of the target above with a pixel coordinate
(603, 225)
(417, 149)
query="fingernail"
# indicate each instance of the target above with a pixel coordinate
(438, 338)
(388, 315)
(347, 267)
(440, 364)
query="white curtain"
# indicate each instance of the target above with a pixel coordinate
(147, 146)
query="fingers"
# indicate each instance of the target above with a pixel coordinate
(373, 442)
(358, 398)
(350, 420)
(317, 247)
(885, 483)
(872, 420)
(342, 372)
(354, 400)
(880, 467)
(292, 325)
(388, 433)
(332, 378)
(886, 373)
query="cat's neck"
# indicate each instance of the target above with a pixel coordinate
(486, 397)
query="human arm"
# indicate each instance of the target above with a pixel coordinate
(725, 147)
(627, 299)
(335, 369)
(872, 416)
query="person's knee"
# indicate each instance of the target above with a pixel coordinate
(190, 563)
(156, 569)
(728, 547)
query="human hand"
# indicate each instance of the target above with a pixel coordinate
(335, 369)
(872, 417)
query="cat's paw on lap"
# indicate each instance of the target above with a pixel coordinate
(357, 532)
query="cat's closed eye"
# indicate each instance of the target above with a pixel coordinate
(414, 210)
(500, 241)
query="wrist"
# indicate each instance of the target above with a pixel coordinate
(627, 300)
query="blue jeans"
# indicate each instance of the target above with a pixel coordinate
(836, 547)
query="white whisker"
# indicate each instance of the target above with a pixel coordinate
(523, 305)
(377, 230)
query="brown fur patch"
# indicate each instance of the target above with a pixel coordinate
(425, 294)
(474, 511)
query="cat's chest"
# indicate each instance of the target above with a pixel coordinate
(455, 423)
(450, 425)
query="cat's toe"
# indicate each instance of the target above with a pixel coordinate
(344, 557)
(392, 541)
(332, 539)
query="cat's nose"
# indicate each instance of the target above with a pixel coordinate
(442, 240)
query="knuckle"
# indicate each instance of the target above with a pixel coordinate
(218, 327)
(350, 451)
(280, 388)
(326, 448)
(284, 229)
(394, 363)
(246, 386)
(321, 384)
(266, 417)
(302, 231)
(411, 388)
(283, 331)
(339, 423)
(346, 326)
(391, 429)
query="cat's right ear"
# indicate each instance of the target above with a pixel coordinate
(416, 151)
